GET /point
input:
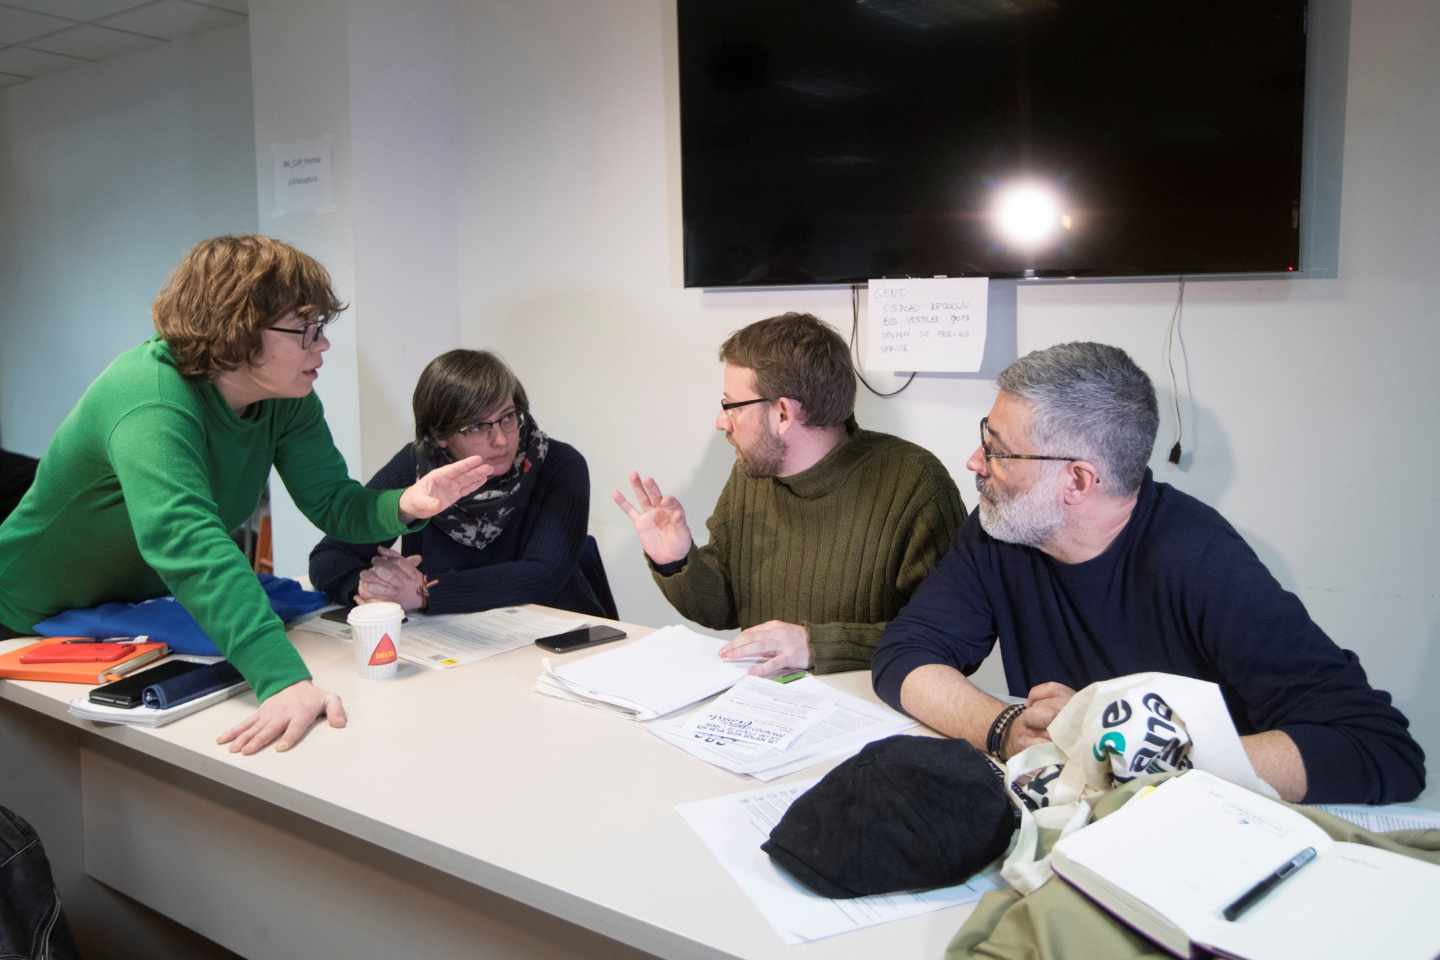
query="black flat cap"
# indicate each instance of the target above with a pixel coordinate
(905, 813)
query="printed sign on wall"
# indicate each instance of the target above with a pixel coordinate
(303, 177)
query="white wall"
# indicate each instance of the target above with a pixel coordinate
(1315, 400)
(108, 173)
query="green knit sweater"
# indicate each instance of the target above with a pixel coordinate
(138, 493)
(838, 548)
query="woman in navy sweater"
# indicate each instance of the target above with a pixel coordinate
(518, 539)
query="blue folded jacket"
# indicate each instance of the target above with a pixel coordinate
(188, 686)
(164, 619)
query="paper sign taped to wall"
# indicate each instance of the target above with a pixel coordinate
(304, 178)
(926, 325)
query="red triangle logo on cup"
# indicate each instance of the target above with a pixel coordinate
(384, 652)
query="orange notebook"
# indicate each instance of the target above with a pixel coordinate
(92, 673)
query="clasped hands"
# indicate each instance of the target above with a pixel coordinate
(1042, 705)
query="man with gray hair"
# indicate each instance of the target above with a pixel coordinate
(1086, 569)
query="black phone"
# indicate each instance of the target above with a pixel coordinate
(126, 691)
(591, 636)
(342, 615)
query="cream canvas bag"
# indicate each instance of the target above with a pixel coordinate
(1109, 733)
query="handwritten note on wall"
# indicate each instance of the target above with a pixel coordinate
(304, 182)
(930, 326)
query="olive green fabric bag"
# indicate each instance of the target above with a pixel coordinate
(1057, 922)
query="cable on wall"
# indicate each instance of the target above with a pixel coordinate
(1176, 332)
(855, 346)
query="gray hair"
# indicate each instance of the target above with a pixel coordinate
(1091, 401)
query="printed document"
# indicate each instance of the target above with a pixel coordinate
(846, 724)
(733, 828)
(761, 713)
(1382, 819)
(656, 675)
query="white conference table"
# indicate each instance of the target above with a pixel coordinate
(458, 814)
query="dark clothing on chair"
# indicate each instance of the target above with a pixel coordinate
(17, 473)
(542, 555)
(32, 923)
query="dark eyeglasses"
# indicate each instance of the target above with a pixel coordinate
(309, 334)
(728, 405)
(985, 446)
(508, 422)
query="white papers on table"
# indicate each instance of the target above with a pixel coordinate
(656, 675)
(846, 724)
(147, 716)
(759, 712)
(442, 641)
(733, 828)
(1382, 819)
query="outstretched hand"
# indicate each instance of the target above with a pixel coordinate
(441, 487)
(284, 719)
(658, 519)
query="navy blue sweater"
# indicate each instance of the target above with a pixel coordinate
(536, 559)
(1178, 591)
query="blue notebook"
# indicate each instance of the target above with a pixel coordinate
(190, 686)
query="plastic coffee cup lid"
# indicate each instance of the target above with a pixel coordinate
(378, 611)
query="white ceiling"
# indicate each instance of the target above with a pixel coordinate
(46, 36)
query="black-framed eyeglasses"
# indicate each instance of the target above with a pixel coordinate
(989, 455)
(509, 423)
(309, 334)
(728, 405)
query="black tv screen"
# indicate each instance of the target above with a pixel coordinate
(832, 141)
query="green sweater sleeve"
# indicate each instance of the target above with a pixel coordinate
(158, 453)
(702, 588)
(315, 475)
(835, 647)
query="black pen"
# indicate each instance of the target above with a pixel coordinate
(1258, 892)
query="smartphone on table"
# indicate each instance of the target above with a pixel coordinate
(589, 636)
(126, 692)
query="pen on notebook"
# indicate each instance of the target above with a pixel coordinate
(1262, 889)
(140, 639)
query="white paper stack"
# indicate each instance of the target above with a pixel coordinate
(827, 723)
(656, 675)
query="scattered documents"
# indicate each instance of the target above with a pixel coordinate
(1383, 819)
(761, 713)
(838, 725)
(733, 828)
(1169, 863)
(146, 716)
(443, 641)
(656, 675)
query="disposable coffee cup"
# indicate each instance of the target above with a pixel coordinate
(375, 629)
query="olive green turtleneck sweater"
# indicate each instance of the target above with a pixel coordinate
(838, 548)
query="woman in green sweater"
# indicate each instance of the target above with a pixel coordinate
(169, 450)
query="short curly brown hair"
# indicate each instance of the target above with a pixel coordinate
(796, 355)
(215, 306)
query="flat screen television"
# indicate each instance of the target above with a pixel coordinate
(832, 141)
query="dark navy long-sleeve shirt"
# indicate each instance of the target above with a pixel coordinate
(536, 558)
(1178, 591)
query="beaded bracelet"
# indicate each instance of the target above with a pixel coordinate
(995, 740)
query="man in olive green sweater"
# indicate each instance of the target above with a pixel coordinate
(822, 531)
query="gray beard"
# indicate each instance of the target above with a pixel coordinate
(1031, 519)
